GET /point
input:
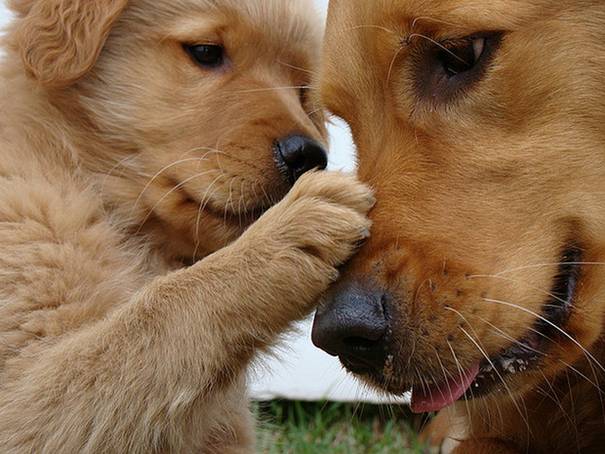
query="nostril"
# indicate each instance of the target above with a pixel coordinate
(296, 155)
(360, 343)
(353, 325)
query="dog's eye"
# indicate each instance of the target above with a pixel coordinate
(302, 95)
(449, 68)
(461, 58)
(207, 55)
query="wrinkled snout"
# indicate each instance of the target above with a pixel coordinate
(352, 324)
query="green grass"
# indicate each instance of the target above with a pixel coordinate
(318, 428)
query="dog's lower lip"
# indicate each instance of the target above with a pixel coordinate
(357, 366)
(525, 354)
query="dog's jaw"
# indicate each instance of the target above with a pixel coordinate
(491, 374)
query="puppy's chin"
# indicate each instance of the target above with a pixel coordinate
(189, 231)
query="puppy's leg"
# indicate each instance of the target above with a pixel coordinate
(135, 381)
(236, 434)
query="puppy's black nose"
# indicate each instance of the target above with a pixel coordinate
(296, 155)
(353, 325)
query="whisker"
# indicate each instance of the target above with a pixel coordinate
(576, 371)
(175, 188)
(257, 90)
(315, 111)
(587, 354)
(510, 338)
(392, 64)
(476, 343)
(555, 398)
(518, 281)
(241, 202)
(431, 19)
(156, 176)
(438, 44)
(207, 151)
(514, 401)
(445, 374)
(542, 265)
(267, 198)
(120, 164)
(376, 27)
(461, 372)
(545, 320)
(297, 68)
(203, 203)
(571, 401)
(595, 383)
(229, 200)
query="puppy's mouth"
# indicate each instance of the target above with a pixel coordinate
(235, 215)
(243, 217)
(490, 375)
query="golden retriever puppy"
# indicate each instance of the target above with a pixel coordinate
(481, 127)
(139, 140)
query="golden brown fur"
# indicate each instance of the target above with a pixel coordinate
(121, 161)
(479, 193)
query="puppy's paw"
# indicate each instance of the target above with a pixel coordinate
(318, 226)
(336, 187)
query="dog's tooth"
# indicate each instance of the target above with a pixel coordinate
(508, 365)
(487, 369)
(389, 368)
(505, 363)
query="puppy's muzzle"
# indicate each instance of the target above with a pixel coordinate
(296, 155)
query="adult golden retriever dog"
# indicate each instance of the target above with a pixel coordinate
(481, 127)
(136, 138)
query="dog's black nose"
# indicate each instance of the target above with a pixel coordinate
(353, 325)
(296, 155)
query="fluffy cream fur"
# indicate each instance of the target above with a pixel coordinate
(122, 163)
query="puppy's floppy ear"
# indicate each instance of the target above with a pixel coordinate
(60, 40)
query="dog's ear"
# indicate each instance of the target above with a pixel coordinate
(60, 40)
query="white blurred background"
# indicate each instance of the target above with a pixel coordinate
(298, 370)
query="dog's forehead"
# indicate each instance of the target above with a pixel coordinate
(360, 13)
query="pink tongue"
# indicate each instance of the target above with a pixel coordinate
(437, 397)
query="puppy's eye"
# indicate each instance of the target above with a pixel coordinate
(459, 59)
(207, 55)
